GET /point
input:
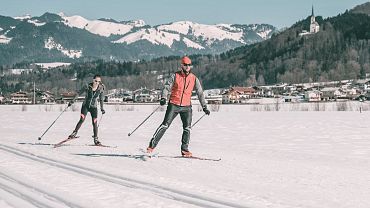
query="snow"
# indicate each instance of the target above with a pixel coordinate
(167, 34)
(4, 39)
(192, 44)
(152, 35)
(269, 159)
(52, 65)
(264, 34)
(98, 27)
(51, 44)
(36, 22)
(27, 16)
(20, 71)
(210, 33)
(1, 29)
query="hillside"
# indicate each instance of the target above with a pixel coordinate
(62, 38)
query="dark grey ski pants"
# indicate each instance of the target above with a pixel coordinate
(94, 116)
(171, 113)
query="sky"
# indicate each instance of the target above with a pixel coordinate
(280, 13)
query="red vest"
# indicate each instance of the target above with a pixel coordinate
(182, 88)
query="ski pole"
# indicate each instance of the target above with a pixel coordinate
(129, 134)
(198, 120)
(53, 123)
(100, 119)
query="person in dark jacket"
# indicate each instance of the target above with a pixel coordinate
(94, 94)
(178, 90)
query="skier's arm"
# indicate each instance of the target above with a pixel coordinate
(81, 91)
(101, 97)
(199, 91)
(167, 87)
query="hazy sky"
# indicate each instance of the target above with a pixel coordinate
(280, 13)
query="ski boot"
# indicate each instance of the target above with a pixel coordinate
(149, 150)
(73, 135)
(96, 141)
(186, 153)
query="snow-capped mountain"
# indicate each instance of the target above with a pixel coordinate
(58, 37)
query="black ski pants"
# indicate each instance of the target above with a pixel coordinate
(171, 113)
(94, 116)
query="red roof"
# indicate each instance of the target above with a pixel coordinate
(243, 89)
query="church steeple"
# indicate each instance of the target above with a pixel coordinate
(314, 26)
(313, 14)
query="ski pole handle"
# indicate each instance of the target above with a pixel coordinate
(129, 134)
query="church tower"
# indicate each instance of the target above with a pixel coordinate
(314, 26)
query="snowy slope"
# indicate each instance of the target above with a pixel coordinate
(100, 27)
(194, 35)
(52, 65)
(209, 33)
(152, 35)
(51, 44)
(269, 159)
(109, 39)
(4, 39)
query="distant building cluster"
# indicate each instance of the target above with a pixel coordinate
(305, 92)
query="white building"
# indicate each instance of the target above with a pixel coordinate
(313, 96)
(314, 26)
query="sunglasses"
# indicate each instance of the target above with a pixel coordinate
(97, 81)
(186, 64)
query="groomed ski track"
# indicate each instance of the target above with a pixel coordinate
(165, 192)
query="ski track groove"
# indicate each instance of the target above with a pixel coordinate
(24, 196)
(161, 191)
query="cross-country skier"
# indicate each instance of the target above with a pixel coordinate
(178, 90)
(94, 93)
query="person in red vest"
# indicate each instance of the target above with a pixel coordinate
(179, 89)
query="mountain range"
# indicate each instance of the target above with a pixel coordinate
(58, 37)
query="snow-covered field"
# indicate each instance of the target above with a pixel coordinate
(269, 159)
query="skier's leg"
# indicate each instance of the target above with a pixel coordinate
(186, 118)
(94, 117)
(82, 119)
(171, 113)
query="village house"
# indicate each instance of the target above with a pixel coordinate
(119, 96)
(20, 98)
(144, 95)
(45, 97)
(2, 99)
(331, 93)
(239, 95)
(68, 96)
(213, 96)
(348, 94)
(292, 99)
(313, 96)
(230, 97)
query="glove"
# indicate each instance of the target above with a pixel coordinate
(162, 101)
(102, 111)
(206, 111)
(70, 103)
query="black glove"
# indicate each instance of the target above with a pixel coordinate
(102, 111)
(162, 101)
(206, 111)
(71, 103)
